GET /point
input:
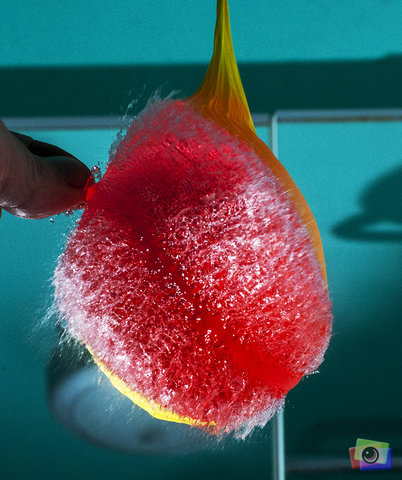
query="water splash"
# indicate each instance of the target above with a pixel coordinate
(96, 172)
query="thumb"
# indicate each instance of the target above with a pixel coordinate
(38, 180)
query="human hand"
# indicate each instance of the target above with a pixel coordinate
(38, 180)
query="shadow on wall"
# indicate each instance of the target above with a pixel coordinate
(380, 218)
(333, 435)
(107, 90)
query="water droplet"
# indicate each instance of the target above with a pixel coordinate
(68, 213)
(96, 172)
(51, 220)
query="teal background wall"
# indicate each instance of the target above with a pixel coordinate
(351, 175)
(302, 54)
(116, 32)
(83, 58)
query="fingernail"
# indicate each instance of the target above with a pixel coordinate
(22, 138)
(73, 172)
(47, 149)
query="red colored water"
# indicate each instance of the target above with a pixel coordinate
(191, 276)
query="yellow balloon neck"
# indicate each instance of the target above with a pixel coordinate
(221, 95)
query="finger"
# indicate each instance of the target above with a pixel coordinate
(47, 186)
(36, 186)
(74, 173)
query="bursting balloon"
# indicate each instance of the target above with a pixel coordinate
(196, 276)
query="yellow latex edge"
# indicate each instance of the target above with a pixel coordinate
(221, 98)
(153, 408)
